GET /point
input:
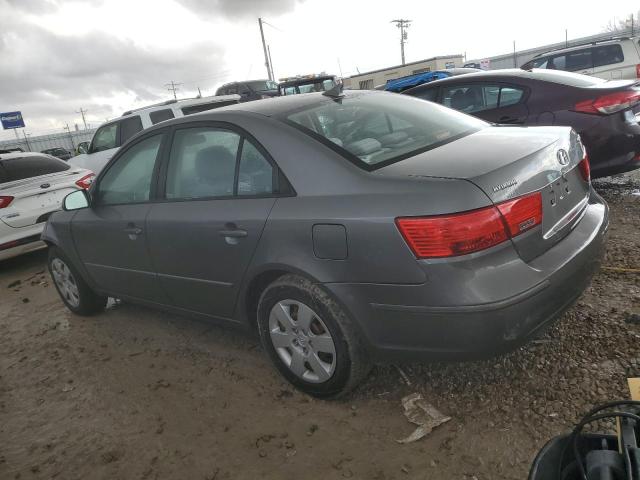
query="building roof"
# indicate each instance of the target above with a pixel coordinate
(439, 57)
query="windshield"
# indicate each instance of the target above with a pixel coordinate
(262, 85)
(376, 129)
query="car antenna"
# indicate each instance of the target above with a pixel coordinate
(334, 92)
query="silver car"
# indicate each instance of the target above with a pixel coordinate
(344, 228)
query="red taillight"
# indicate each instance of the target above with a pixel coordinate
(610, 103)
(5, 201)
(585, 169)
(468, 232)
(86, 181)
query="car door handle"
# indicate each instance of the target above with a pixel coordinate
(133, 230)
(236, 233)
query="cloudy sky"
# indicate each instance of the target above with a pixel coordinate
(108, 56)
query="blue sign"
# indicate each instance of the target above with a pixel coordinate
(11, 120)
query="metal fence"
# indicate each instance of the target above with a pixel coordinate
(38, 143)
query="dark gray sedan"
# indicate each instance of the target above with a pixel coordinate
(345, 229)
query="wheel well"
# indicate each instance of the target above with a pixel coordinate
(255, 289)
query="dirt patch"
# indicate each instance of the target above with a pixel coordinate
(135, 393)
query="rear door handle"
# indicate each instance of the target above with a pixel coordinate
(133, 230)
(237, 233)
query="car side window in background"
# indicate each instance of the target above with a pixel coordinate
(161, 115)
(510, 96)
(128, 180)
(471, 98)
(430, 94)
(202, 163)
(105, 138)
(559, 62)
(129, 127)
(607, 55)
(255, 174)
(27, 167)
(579, 60)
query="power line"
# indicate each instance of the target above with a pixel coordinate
(82, 112)
(173, 87)
(402, 24)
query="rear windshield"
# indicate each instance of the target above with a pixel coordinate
(376, 129)
(19, 168)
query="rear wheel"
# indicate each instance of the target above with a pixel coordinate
(310, 339)
(74, 291)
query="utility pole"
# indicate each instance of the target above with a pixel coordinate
(515, 56)
(270, 63)
(66, 127)
(402, 24)
(173, 87)
(566, 38)
(82, 112)
(264, 48)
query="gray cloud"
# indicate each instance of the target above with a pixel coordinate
(240, 8)
(49, 76)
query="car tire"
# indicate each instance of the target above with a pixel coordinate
(310, 339)
(76, 294)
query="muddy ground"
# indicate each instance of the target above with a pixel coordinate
(139, 394)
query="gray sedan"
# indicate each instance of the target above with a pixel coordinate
(343, 228)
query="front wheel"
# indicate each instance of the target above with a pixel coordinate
(310, 339)
(76, 294)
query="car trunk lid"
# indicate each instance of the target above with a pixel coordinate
(37, 197)
(511, 162)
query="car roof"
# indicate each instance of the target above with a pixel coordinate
(560, 51)
(539, 74)
(9, 156)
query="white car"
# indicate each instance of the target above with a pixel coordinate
(618, 58)
(32, 187)
(113, 134)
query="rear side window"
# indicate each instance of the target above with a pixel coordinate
(579, 60)
(129, 127)
(12, 169)
(255, 174)
(607, 55)
(161, 115)
(203, 107)
(202, 163)
(510, 96)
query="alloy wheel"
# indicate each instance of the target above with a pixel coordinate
(65, 282)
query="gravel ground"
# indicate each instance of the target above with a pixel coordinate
(135, 393)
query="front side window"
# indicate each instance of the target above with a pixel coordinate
(128, 180)
(430, 94)
(105, 138)
(375, 129)
(202, 163)
(129, 127)
(471, 98)
(12, 169)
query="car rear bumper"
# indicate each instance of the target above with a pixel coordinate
(547, 286)
(14, 242)
(613, 145)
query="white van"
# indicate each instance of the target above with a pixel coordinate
(618, 58)
(111, 135)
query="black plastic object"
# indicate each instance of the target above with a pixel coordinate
(556, 460)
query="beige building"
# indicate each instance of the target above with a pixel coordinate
(369, 80)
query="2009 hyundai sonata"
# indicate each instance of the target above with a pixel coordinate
(344, 228)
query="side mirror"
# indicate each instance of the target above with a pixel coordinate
(76, 200)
